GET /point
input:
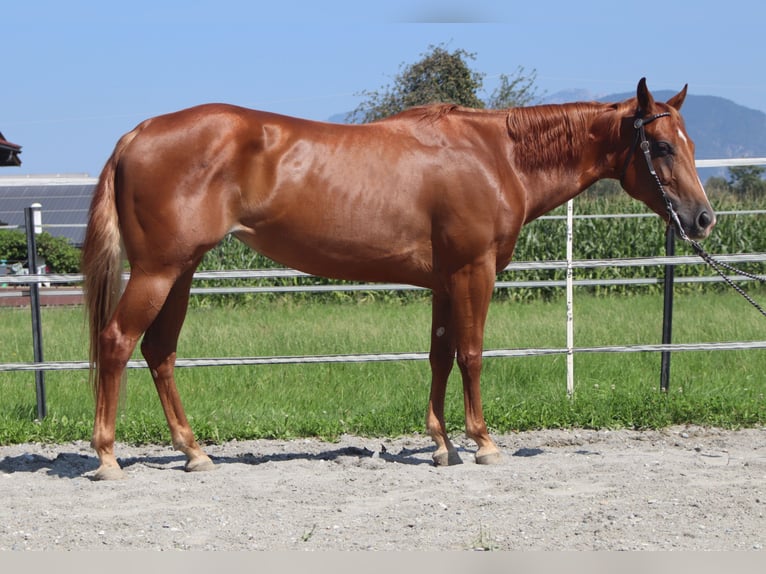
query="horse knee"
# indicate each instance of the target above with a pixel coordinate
(469, 361)
(155, 353)
(115, 349)
(441, 361)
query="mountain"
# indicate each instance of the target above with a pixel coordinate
(573, 95)
(338, 118)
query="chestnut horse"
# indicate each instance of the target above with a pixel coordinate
(434, 197)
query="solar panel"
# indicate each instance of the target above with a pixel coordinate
(65, 203)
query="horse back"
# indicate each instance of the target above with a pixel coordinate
(336, 200)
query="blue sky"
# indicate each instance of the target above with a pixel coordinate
(77, 75)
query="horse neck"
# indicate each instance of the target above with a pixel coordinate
(560, 150)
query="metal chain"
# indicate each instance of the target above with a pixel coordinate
(715, 264)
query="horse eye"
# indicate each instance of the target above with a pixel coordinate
(662, 149)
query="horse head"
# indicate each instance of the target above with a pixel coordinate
(659, 167)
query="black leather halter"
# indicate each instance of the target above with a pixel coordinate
(641, 141)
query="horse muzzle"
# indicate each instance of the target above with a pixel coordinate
(697, 224)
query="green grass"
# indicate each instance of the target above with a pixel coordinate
(724, 388)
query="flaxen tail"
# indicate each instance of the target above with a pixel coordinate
(101, 260)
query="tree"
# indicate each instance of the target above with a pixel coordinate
(747, 180)
(717, 187)
(442, 76)
(515, 91)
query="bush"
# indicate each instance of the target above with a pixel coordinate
(60, 255)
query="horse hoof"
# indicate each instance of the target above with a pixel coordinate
(489, 458)
(110, 473)
(447, 458)
(200, 465)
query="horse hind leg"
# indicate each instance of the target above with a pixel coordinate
(135, 311)
(159, 349)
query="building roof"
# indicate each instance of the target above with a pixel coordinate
(65, 201)
(9, 152)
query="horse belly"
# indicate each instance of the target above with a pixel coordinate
(359, 248)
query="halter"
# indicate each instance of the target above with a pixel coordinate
(642, 142)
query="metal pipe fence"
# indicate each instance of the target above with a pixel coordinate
(39, 366)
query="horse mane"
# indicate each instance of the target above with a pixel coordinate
(543, 136)
(549, 134)
(435, 112)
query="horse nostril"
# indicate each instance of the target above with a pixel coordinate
(704, 219)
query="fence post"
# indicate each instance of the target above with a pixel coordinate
(570, 299)
(667, 309)
(33, 220)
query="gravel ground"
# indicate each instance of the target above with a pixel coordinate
(677, 489)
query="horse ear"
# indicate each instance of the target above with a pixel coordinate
(645, 98)
(678, 100)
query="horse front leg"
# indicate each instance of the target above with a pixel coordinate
(442, 358)
(472, 290)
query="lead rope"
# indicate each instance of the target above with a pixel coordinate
(716, 265)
